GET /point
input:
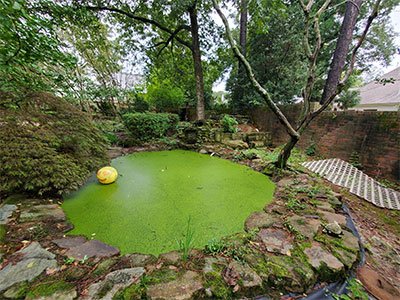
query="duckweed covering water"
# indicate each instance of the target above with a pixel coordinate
(147, 209)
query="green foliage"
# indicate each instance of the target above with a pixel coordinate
(31, 55)
(149, 126)
(215, 246)
(311, 150)
(165, 96)
(48, 289)
(229, 124)
(354, 160)
(185, 244)
(109, 129)
(46, 145)
(356, 291)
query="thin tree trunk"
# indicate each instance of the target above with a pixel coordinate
(243, 43)
(335, 71)
(198, 69)
(284, 155)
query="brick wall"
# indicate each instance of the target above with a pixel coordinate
(374, 136)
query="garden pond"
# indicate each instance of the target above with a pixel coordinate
(158, 194)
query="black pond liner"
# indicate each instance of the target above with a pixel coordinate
(339, 287)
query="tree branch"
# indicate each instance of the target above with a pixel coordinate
(281, 117)
(144, 20)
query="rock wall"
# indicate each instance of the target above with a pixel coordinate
(372, 137)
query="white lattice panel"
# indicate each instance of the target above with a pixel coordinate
(344, 174)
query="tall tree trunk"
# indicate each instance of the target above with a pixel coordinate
(198, 69)
(243, 32)
(331, 85)
(342, 49)
(243, 43)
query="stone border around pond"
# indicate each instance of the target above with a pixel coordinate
(298, 240)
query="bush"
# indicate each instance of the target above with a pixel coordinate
(148, 126)
(165, 97)
(229, 124)
(47, 146)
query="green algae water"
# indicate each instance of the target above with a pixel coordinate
(148, 208)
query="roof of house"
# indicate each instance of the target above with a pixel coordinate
(378, 93)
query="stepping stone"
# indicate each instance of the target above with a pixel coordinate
(318, 256)
(6, 212)
(276, 240)
(139, 260)
(259, 219)
(332, 217)
(173, 257)
(32, 261)
(42, 212)
(325, 206)
(183, 288)
(69, 241)
(305, 226)
(238, 272)
(92, 248)
(350, 241)
(210, 262)
(61, 295)
(113, 282)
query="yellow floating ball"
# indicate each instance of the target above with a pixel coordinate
(107, 175)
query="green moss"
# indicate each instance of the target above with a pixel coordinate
(3, 232)
(17, 291)
(162, 275)
(106, 287)
(48, 289)
(133, 292)
(217, 285)
(104, 266)
(333, 242)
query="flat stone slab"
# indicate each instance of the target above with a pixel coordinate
(6, 212)
(344, 174)
(139, 260)
(61, 295)
(239, 272)
(32, 261)
(305, 226)
(172, 257)
(42, 212)
(332, 217)
(318, 256)
(69, 241)
(92, 248)
(180, 289)
(276, 240)
(259, 219)
(114, 282)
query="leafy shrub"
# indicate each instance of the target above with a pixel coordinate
(110, 129)
(46, 145)
(229, 124)
(148, 126)
(165, 96)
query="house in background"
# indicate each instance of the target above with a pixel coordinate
(382, 95)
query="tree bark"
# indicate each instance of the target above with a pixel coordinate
(198, 68)
(239, 92)
(342, 49)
